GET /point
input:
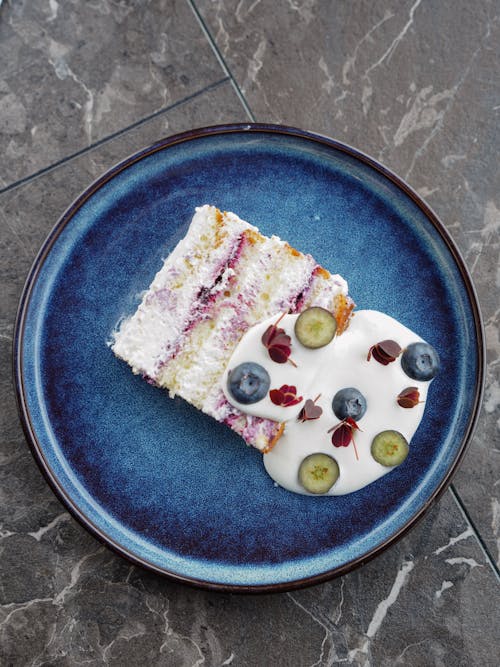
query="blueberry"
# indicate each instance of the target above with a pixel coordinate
(420, 361)
(248, 383)
(349, 402)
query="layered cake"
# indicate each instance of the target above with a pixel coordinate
(223, 278)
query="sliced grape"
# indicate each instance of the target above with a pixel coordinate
(318, 473)
(315, 327)
(389, 448)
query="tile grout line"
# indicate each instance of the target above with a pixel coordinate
(221, 60)
(486, 552)
(114, 135)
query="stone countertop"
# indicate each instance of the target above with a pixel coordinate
(414, 84)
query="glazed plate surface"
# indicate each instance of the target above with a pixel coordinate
(154, 478)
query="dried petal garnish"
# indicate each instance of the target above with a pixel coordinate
(384, 352)
(343, 434)
(409, 397)
(310, 410)
(285, 396)
(278, 343)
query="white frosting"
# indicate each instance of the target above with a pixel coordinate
(160, 319)
(343, 363)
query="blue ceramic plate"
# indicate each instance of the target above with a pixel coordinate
(154, 478)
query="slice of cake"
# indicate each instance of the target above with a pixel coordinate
(222, 278)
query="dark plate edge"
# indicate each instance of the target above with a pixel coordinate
(17, 367)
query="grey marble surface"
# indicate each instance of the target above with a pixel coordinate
(415, 84)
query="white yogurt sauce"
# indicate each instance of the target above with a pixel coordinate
(340, 364)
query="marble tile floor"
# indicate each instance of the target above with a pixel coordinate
(415, 85)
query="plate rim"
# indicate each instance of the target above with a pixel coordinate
(30, 282)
